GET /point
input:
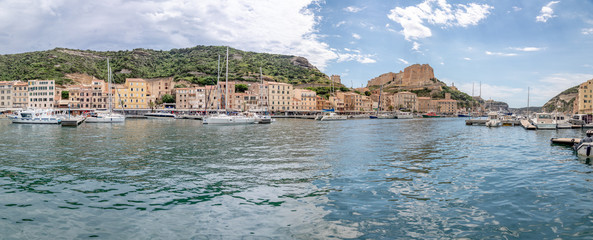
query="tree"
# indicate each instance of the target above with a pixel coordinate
(367, 93)
(167, 98)
(65, 94)
(151, 104)
(241, 88)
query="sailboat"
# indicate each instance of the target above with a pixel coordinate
(264, 117)
(223, 118)
(382, 115)
(109, 116)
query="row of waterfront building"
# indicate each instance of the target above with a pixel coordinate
(137, 93)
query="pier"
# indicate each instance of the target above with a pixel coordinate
(565, 141)
(74, 122)
(527, 125)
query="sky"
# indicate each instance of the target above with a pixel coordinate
(504, 46)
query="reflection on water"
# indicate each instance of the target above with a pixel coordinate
(417, 178)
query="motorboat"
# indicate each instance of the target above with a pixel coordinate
(404, 115)
(562, 122)
(431, 115)
(544, 121)
(36, 116)
(493, 120)
(225, 119)
(105, 117)
(263, 119)
(331, 116)
(585, 149)
(159, 115)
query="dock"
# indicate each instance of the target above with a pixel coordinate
(527, 125)
(565, 141)
(74, 122)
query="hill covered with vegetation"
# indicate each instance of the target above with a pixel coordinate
(195, 65)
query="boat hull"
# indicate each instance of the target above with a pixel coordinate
(585, 150)
(228, 120)
(36, 121)
(545, 126)
(107, 119)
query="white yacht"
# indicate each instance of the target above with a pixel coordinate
(544, 121)
(331, 116)
(225, 119)
(109, 116)
(404, 115)
(493, 120)
(165, 115)
(36, 116)
(562, 121)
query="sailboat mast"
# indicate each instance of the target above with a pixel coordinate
(528, 102)
(217, 85)
(226, 88)
(261, 90)
(109, 93)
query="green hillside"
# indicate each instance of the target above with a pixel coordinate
(197, 65)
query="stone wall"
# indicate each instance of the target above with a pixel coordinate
(417, 75)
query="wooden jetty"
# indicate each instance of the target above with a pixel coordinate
(136, 116)
(527, 125)
(565, 141)
(74, 122)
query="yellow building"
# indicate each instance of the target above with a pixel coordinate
(132, 94)
(584, 97)
(280, 96)
(306, 100)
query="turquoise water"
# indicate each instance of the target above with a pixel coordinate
(293, 179)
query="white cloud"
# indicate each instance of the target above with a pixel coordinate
(413, 19)
(501, 54)
(403, 61)
(527, 49)
(547, 12)
(550, 86)
(490, 91)
(587, 31)
(355, 55)
(467, 59)
(516, 9)
(353, 9)
(354, 35)
(289, 27)
(340, 23)
(416, 46)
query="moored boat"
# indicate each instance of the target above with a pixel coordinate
(404, 115)
(493, 120)
(431, 115)
(160, 115)
(35, 116)
(544, 121)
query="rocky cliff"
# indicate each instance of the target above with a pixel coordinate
(562, 102)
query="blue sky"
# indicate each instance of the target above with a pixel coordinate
(506, 45)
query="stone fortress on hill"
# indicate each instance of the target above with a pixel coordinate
(414, 77)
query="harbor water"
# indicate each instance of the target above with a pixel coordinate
(293, 179)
